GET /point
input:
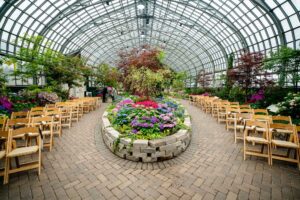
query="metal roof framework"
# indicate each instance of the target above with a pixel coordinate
(195, 34)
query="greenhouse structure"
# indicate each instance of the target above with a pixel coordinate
(149, 99)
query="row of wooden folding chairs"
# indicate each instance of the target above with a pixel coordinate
(49, 126)
(9, 151)
(236, 116)
(261, 134)
(24, 133)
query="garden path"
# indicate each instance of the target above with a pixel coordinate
(81, 167)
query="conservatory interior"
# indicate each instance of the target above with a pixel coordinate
(149, 99)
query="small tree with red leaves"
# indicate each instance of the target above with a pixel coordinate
(248, 72)
(145, 56)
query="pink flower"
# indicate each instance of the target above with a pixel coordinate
(148, 104)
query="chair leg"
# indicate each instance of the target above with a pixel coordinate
(235, 134)
(51, 142)
(40, 161)
(270, 159)
(244, 149)
(6, 170)
(298, 157)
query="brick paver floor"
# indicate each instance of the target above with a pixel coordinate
(81, 167)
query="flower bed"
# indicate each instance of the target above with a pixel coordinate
(146, 131)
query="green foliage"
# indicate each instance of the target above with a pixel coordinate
(230, 61)
(223, 93)
(36, 59)
(290, 106)
(237, 94)
(195, 91)
(161, 56)
(145, 82)
(285, 61)
(178, 81)
(228, 82)
(106, 75)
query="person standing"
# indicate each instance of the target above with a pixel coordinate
(113, 94)
(104, 93)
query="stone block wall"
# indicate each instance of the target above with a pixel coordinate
(146, 150)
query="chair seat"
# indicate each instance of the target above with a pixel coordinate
(33, 134)
(2, 154)
(46, 132)
(285, 144)
(250, 127)
(23, 151)
(19, 136)
(260, 129)
(281, 130)
(256, 139)
(240, 126)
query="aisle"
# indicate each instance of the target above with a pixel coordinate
(81, 167)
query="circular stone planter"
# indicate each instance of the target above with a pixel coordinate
(146, 150)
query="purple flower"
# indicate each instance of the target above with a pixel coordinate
(161, 127)
(6, 103)
(145, 118)
(134, 131)
(169, 125)
(154, 120)
(134, 123)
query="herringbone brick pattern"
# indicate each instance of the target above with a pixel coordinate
(81, 167)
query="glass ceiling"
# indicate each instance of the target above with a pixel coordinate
(196, 34)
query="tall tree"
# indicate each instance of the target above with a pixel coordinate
(285, 61)
(248, 72)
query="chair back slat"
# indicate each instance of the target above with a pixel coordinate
(17, 123)
(260, 112)
(262, 118)
(24, 130)
(21, 114)
(282, 119)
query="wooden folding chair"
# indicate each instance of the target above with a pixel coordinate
(20, 114)
(74, 111)
(203, 100)
(57, 128)
(260, 112)
(222, 111)
(291, 142)
(240, 123)
(215, 106)
(18, 152)
(79, 106)
(45, 124)
(197, 100)
(231, 118)
(3, 120)
(209, 104)
(257, 138)
(86, 106)
(66, 116)
(3, 149)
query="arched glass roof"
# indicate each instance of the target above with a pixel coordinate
(196, 34)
